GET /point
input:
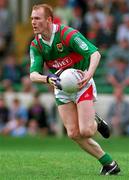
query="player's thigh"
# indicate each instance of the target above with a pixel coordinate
(69, 116)
(86, 116)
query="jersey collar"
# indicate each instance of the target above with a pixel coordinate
(55, 29)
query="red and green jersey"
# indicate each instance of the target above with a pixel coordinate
(67, 48)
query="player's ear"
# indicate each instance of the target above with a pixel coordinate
(49, 19)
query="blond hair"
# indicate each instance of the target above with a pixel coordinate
(47, 9)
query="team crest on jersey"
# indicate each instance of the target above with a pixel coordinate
(60, 47)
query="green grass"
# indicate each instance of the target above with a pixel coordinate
(51, 158)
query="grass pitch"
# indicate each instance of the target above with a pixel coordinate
(50, 158)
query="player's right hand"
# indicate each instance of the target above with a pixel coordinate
(85, 79)
(54, 80)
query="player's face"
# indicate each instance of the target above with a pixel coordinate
(39, 22)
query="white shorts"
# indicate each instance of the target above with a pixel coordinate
(88, 92)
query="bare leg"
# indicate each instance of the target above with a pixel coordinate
(91, 146)
(81, 131)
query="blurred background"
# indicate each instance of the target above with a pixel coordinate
(29, 109)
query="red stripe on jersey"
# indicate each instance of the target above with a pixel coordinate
(34, 45)
(87, 95)
(69, 35)
(64, 30)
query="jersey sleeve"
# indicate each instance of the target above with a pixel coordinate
(81, 45)
(36, 58)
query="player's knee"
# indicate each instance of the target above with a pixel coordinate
(89, 131)
(73, 134)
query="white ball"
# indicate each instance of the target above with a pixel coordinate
(69, 80)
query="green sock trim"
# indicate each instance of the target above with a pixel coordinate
(105, 159)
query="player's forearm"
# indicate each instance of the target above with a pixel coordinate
(94, 61)
(36, 77)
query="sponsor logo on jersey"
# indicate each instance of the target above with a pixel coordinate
(61, 63)
(60, 47)
(81, 43)
(64, 62)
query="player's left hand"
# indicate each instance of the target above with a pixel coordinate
(54, 80)
(86, 77)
